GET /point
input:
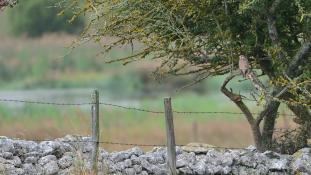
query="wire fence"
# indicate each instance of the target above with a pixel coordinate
(168, 113)
(126, 107)
(277, 130)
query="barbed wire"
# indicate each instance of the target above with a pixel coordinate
(181, 112)
(44, 103)
(127, 107)
(131, 108)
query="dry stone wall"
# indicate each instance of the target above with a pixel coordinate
(4, 3)
(20, 157)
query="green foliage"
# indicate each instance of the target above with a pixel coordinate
(36, 17)
(204, 37)
(199, 32)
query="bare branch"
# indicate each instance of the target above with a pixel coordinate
(272, 30)
(128, 58)
(274, 5)
(282, 91)
(237, 98)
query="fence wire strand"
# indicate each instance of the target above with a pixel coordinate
(44, 103)
(128, 107)
(132, 108)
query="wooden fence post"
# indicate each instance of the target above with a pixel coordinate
(170, 137)
(95, 130)
(195, 131)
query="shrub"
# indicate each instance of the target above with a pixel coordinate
(36, 17)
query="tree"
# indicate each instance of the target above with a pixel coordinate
(207, 38)
(36, 17)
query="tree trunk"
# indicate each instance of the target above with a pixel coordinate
(236, 98)
(257, 138)
(269, 124)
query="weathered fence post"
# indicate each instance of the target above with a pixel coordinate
(170, 137)
(95, 129)
(195, 131)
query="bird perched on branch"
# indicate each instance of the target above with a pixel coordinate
(244, 65)
(247, 73)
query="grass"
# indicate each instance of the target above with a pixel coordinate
(118, 125)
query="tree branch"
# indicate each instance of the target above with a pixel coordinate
(273, 33)
(274, 5)
(292, 69)
(237, 98)
(264, 112)
(269, 108)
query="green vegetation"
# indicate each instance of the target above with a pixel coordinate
(216, 37)
(46, 63)
(36, 17)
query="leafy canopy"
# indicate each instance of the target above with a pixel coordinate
(206, 37)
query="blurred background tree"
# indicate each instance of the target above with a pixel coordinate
(36, 17)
